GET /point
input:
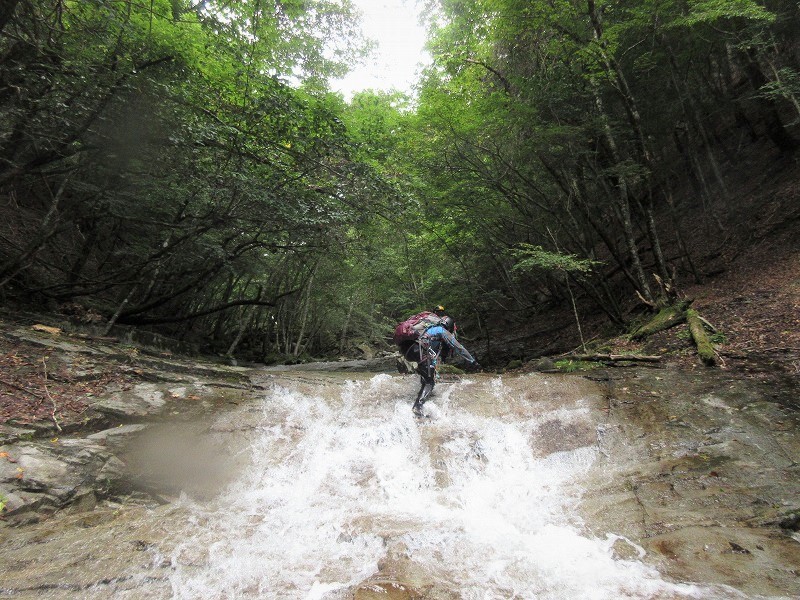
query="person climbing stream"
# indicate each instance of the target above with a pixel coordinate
(426, 339)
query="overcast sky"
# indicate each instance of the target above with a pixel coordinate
(394, 26)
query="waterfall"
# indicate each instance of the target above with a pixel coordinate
(479, 500)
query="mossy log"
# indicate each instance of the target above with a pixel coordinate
(704, 347)
(667, 317)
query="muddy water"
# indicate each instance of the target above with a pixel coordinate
(649, 485)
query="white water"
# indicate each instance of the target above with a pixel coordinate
(347, 485)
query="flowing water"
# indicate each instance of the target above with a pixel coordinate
(338, 491)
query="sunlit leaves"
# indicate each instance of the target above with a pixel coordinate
(710, 11)
(304, 41)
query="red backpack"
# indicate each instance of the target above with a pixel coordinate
(413, 327)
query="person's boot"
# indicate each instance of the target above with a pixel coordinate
(418, 402)
(424, 392)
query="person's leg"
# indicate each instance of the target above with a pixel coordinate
(427, 375)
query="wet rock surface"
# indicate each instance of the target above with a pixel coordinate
(386, 590)
(385, 363)
(76, 460)
(702, 471)
(697, 475)
(43, 478)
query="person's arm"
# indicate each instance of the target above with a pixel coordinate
(449, 339)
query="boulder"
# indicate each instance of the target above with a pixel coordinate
(46, 476)
(544, 365)
(144, 400)
(117, 437)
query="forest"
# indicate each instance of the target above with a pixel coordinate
(182, 167)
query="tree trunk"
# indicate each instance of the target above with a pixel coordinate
(120, 308)
(83, 256)
(693, 114)
(704, 348)
(346, 325)
(655, 243)
(668, 317)
(306, 310)
(601, 232)
(223, 317)
(776, 74)
(772, 121)
(622, 184)
(244, 324)
(623, 202)
(679, 239)
(635, 121)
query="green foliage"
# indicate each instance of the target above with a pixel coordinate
(572, 366)
(718, 338)
(710, 11)
(180, 165)
(199, 188)
(531, 257)
(785, 86)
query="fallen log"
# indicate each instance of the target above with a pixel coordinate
(704, 347)
(614, 357)
(667, 317)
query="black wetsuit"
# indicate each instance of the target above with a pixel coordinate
(432, 345)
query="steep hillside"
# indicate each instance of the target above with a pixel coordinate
(745, 252)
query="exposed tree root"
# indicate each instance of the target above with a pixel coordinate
(53, 414)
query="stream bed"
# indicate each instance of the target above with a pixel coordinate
(640, 483)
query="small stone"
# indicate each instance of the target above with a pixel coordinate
(737, 549)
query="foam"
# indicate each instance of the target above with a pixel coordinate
(340, 484)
